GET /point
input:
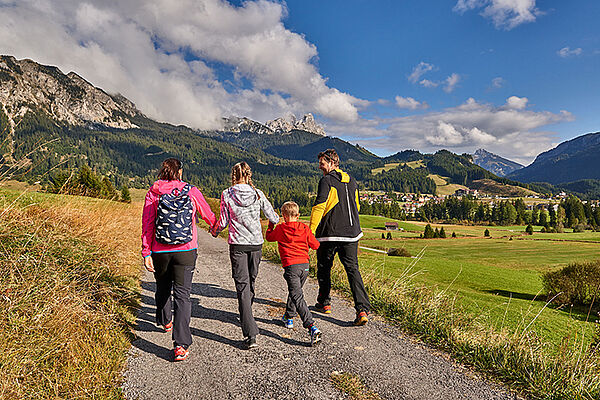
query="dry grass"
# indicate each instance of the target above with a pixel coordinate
(68, 285)
(353, 386)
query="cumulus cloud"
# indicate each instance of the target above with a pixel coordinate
(516, 103)
(421, 69)
(451, 82)
(509, 129)
(409, 103)
(505, 14)
(170, 58)
(567, 52)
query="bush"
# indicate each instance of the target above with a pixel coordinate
(453, 234)
(576, 284)
(389, 236)
(486, 233)
(401, 252)
(579, 228)
(529, 230)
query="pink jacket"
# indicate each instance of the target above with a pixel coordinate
(160, 187)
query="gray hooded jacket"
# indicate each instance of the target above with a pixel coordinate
(240, 209)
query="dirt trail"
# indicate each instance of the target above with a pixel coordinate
(284, 366)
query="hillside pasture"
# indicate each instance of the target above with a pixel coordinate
(495, 279)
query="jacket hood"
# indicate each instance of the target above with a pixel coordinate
(161, 187)
(340, 175)
(293, 229)
(243, 194)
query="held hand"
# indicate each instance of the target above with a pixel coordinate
(149, 264)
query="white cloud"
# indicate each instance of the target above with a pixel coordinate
(567, 52)
(143, 48)
(428, 84)
(505, 14)
(451, 82)
(421, 69)
(516, 103)
(409, 103)
(498, 82)
(510, 129)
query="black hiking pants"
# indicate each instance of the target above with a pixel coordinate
(244, 269)
(348, 254)
(295, 275)
(173, 274)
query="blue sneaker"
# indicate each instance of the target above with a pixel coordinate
(315, 335)
(288, 322)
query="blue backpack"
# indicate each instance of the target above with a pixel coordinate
(174, 217)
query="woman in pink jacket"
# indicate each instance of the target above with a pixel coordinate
(169, 245)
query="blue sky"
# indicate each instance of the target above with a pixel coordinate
(515, 77)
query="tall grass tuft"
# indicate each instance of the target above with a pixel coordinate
(68, 269)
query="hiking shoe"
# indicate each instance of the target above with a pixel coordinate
(250, 342)
(361, 319)
(288, 322)
(323, 309)
(181, 353)
(315, 335)
(168, 327)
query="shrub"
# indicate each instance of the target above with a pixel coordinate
(382, 235)
(577, 283)
(529, 230)
(486, 233)
(453, 234)
(579, 228)
(389, 236)
(401, 252)
(442, 232)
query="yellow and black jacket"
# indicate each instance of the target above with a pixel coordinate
(334, 217)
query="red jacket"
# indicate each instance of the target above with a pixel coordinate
(293, 240)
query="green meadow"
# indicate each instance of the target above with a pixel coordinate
(496, 279)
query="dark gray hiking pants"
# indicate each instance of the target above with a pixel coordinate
(244, 269)
(173, 274)
(295, 275)
(348, 254)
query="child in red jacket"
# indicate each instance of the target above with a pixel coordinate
(294, 238)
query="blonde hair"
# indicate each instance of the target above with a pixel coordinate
(241, 172)
(290, 209)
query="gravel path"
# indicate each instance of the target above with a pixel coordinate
(284, 366)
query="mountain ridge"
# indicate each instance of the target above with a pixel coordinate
(494, 163)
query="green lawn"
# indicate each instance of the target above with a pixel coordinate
(496, 279)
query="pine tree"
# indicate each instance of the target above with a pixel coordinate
(428, 234)
(486, 233)
(125, 194)
(529, 230)
(453, 234)
(442, 233)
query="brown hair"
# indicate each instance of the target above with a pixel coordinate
(330, 155)
(290, 209)
(169, 169)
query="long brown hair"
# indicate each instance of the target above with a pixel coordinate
(169, 169)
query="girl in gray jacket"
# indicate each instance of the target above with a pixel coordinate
(241, 205)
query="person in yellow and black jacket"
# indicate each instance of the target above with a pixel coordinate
(334, 221)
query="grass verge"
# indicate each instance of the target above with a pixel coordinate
(68, 285)
(517, 357)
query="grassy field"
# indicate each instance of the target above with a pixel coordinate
(68, 288)
(495, 279)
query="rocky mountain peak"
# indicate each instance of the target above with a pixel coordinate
(286, 125)
(26, 85)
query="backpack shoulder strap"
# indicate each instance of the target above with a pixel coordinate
(185, 189)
